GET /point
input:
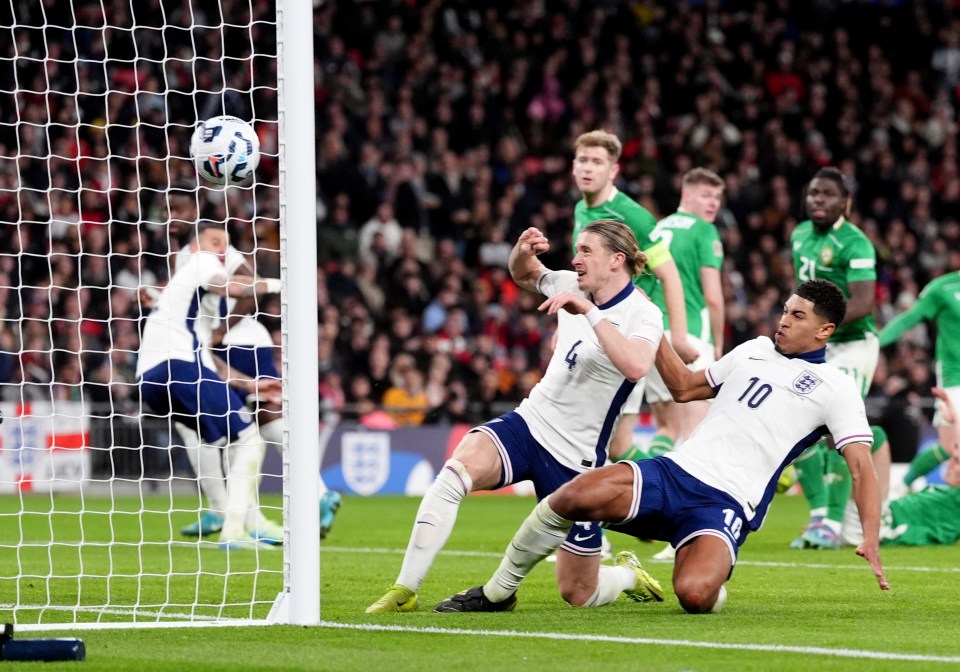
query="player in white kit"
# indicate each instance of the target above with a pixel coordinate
(243, 351)
(246, 347)
(178, 378)
(607, 338)
(772, 400)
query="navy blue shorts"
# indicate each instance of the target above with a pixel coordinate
(248, 360)
(524, 459)
(194, 395)
(671, 505)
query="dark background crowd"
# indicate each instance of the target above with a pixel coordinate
(444, 128)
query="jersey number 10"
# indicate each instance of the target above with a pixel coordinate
(759, 395)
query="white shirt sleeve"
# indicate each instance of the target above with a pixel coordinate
(718, 371)
(646, 324)
(846, 417)
(552, 283)
(209, 270)
(235, 259)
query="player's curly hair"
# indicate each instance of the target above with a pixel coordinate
(618, 237)
(827, 299)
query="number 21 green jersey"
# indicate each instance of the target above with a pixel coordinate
(843, 254)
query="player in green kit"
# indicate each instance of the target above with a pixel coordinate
(925, 518)
(939, 302)
(696, 249)
(698, 253)
(829, 247)
(594, 170)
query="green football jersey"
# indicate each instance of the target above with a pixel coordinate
(939, 301)
(694, 243)
(622, 208)
(842, 255)
(931, 516)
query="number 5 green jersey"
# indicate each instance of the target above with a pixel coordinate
(842, 255)
(694, 244)
(939, 301)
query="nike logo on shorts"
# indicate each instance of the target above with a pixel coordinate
(577, 537)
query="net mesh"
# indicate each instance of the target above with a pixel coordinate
(98, 102)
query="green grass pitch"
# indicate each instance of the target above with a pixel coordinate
(787, 610)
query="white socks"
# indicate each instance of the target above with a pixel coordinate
(243, 476)
(611, 581)
(721, 600)
(540, 535)
(207, 463)
(435, 520)
(272, 432)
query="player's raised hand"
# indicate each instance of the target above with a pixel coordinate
(871, 553)
(576, 304)
(532, 242)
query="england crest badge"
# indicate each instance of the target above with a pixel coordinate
(366, 460)
(805, 383)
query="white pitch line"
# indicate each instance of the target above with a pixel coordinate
(569, 636)
(740, 563)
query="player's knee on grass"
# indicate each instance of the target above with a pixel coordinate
(577, 593)
(697, 594)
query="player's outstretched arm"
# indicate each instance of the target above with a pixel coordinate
(669, 276)
(713, 296)
(896, 327)
(243, 285)
(524, 266)
(684, 384)
(866, 493)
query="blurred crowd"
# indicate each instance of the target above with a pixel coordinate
(444, 128)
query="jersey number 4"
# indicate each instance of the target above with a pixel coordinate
(571, 358)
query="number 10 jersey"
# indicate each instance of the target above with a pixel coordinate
(769, 408)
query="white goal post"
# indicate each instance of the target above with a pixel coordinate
(98, 101)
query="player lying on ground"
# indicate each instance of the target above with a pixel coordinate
(925, 518)
(607, 337)
(772, 401)
(937, 303)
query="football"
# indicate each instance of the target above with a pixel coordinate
(225, 150)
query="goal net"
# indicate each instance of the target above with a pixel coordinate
(102, 517)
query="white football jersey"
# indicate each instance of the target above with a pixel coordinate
(248, 331)
(177, 328)
(769, 409)
(573, 410)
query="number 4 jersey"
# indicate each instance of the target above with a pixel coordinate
(573, 410)
(769, 408)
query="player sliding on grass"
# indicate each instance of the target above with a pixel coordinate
(772, 401)
(607, 336)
